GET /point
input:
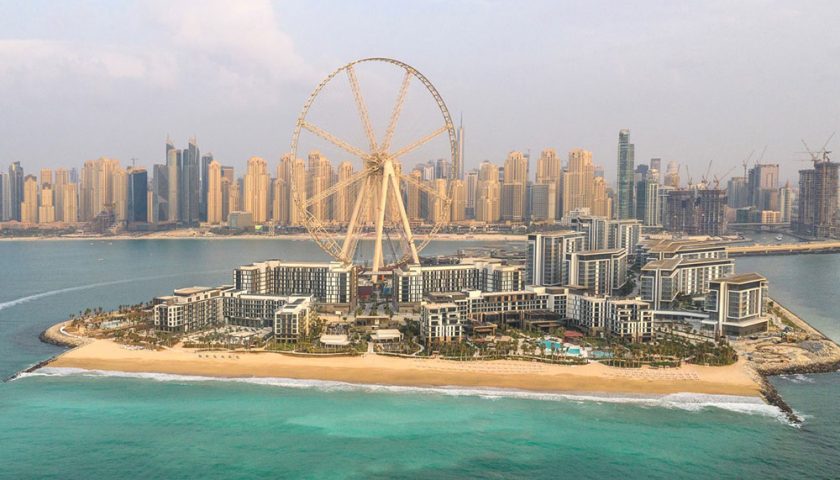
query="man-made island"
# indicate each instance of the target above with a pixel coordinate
(675, 319)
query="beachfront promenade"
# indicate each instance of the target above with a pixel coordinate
(828, 246)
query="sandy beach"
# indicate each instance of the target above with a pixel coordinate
(377, 369)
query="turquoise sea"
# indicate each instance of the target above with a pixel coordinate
(64, 424)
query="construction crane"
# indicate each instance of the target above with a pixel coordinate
(687, 175)
(821, 155)
(722, 177)
(746, 162)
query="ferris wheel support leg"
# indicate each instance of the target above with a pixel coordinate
(354, 217)
(380, 220)
(404, 216)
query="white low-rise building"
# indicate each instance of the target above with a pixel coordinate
(329, 282)
(441, 322)
(737, 304)
(413, 282)
(189, 309)
(293, 320)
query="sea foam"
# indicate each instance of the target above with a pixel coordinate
(692, 402)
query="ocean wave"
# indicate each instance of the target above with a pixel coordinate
(36, 296)
(798, 378)
(692, 402)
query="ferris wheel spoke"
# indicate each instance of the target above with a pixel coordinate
(419, 143)
(395, 114)
(336, 187)
(360, 106)
(334, 140)
(426, 188)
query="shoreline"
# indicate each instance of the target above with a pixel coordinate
(381, 370)
(184, 235)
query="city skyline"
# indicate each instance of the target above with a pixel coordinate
(686, 65)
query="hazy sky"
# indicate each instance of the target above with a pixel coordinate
(694, 82)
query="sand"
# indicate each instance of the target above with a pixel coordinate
(385, 370)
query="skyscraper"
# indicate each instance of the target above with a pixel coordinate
(189, 184)
(578, 182)
(70, 203)
(62, 178)
(786, 203)
(626, 206)
(173, 168)
(549, 173)
(46, 208)
(648, 208)
(487, 204)
(656, 164)
(255, 195)
(15, 190)
(214, 193)
(138, 187)
(763, 178)
(514, 193)
(672, 175)
(205, 166)
(29, 205)
(5, 212)
(459, 201)
(818, 196)
(120, 194)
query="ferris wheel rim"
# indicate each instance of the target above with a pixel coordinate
(312, 224)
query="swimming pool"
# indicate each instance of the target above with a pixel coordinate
(558, 347)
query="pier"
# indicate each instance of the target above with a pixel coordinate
(827, 246)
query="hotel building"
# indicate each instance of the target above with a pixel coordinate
(413, 282)
(330, 283)
(736, 304)
(188, 309)
(548, 257)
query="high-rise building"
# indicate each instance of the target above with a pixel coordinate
(514, 194)
(738, 193)
(205, 171)
(120, 194)
(459, 201)
(29, 206)
(696, 211)
(62, 178)
(46, 209)
(626, 205)
(5, 212)
(761, 179)
(786, 203)
(15, 190)
(578, 182)
(160, 194)
(549, 256)
(818, 196)
(319, 179)
(214, 193)
(672, 176)
(173, 167)
(656, 164)
(601, 200)
(648, 208)
(471, 186)
(343, 199)
(255, 195)
(550, 173)
(488, 197)
(189, 184)
(97, 187)
(299, 186)
(70, 203)
(137, 210)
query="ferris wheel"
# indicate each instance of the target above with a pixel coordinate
(366, 200)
